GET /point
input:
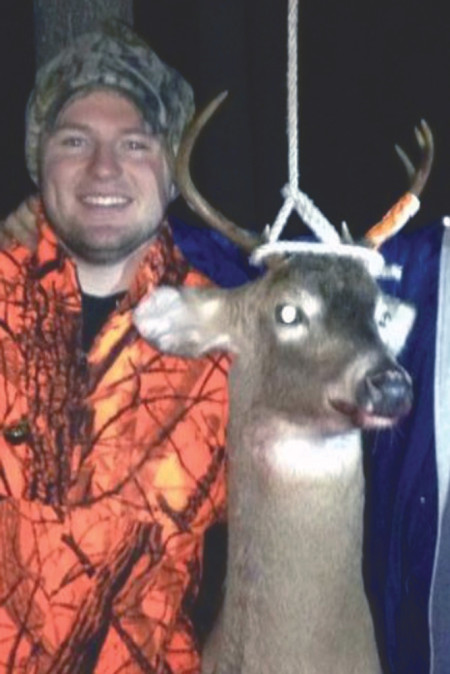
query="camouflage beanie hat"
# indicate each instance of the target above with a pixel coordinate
(113, 58)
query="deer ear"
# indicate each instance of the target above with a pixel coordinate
(394, 319)
(183, 321)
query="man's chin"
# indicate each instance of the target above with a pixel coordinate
(105, 251)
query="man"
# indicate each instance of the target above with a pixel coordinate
(111, 455)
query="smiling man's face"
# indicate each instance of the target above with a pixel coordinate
(105, 178)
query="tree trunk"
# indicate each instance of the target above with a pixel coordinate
(57, 22)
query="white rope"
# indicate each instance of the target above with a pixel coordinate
(292, 89)
(329, 240)
(372, 259)
(294, 198)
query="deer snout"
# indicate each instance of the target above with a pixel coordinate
(386, 393)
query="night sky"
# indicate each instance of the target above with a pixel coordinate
(369, 71)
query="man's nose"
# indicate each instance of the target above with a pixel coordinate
(104, 163)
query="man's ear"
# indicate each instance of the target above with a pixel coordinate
(173, 192)
(184, 321)
(171, 168)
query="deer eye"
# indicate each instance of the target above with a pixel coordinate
(290, 314)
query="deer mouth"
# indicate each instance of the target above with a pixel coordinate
(362, 417)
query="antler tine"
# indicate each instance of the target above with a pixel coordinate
(406, 161)
(426, 143)
(216, 220)
(418, 177)
(408, 204)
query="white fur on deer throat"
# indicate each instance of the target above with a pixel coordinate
(296, 457)
(285, 453)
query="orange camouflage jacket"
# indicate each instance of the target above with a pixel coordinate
(111, 468)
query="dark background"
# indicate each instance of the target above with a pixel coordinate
(369, 71)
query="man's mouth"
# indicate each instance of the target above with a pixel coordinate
(105, 200)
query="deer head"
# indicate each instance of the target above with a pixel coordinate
(315, 340)
(315, 337)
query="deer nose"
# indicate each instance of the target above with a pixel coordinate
(386, 393)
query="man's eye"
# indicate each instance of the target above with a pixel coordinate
(137, 145)
(72, 141)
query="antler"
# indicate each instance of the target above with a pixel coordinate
(391, 223)
(408, 204)
(216, 220)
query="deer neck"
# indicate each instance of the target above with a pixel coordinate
(296, 522)
(299, 485)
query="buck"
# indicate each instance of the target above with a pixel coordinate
(314, 343)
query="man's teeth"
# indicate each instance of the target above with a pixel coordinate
(99, 200)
